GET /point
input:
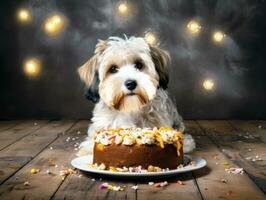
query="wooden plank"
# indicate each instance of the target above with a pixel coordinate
(43, 185)
(172, 191)
(251, 127)
(4, 125)
(87, 187)
(240, 149)
(14, 134)
(210, 179)
(17, 155)
(193, 128)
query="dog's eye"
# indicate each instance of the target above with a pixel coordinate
(138, 65)
(113, 69)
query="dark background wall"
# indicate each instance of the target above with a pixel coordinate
(237, 65)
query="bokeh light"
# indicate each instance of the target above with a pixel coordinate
(218, 36)
(123, 8)
(24, 15)
(32, 67)
(54, 24)
(151, 38)
(208, 84)
(194, 27)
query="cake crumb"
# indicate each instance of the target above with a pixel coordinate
(34, 171)
(161, 184)
(135, 187)
(235, 170)
(66, 172)
(27, 183)
(180, 182)
(111, 187)
(224, 180)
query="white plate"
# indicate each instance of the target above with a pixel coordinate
(82, 163)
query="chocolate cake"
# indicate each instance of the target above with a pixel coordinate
(138, 147)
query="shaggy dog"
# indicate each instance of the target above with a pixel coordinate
(127, 79)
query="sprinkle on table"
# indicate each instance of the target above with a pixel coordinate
(34, 171)
(26, 183)
(111, 187)
(161, 184)
(180, 182)
(135, 187)
(235, 170)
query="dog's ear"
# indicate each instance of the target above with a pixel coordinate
(161, 61)
(89, 72)
(92, 93)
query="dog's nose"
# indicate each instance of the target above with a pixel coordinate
(131, 84)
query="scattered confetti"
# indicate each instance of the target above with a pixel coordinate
(235, 170)
(135, 187)
(111, 187)
(161, 184)
(180, 182)
(26, 183)
(225, 163)
(66, 172)
(103, 186)
(34, 171)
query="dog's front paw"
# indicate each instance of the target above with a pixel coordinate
(188, 143)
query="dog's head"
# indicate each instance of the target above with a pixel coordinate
(125, 74)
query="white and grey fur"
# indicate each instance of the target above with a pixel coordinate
(158, 111)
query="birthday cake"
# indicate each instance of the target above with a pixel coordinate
(162, 148)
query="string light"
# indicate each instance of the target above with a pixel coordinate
(24, 15)
(54, 24)
(193, 27)
(151, 38)
(218, 36)
(208, 84)
(32, 67)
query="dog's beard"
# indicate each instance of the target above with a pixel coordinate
(130, 102)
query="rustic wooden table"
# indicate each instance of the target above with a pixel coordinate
(51, 145)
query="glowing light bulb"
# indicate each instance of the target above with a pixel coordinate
(208, 84)
(24, 15)
(218, 36)
(122, 8)
(151, 38)
(32, 67)
(193, 27)
(54, 24)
